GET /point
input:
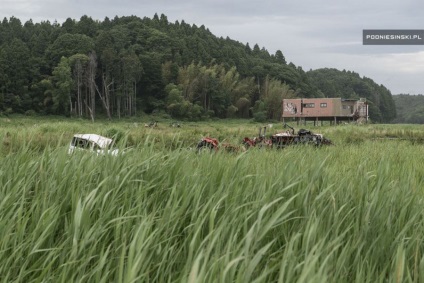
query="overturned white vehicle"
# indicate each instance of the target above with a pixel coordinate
(92, 142)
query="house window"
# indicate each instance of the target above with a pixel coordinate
(309, 105)
(346, 106)
(323, 105)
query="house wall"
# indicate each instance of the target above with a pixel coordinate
(312, 107)
(347, 108)
(325, 108)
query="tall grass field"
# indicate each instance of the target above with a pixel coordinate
(160, 212)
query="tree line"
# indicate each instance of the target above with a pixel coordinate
(409, 109)
(127, 66)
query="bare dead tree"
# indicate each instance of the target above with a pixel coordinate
(105, 94)
(89, 110)
(91, 79)
(78, 75)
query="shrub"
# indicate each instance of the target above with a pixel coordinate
(259, 116)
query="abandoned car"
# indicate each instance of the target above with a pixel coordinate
(92, 142)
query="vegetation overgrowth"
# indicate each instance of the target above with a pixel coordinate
(126, 66)
(162, 213)
(409, 109)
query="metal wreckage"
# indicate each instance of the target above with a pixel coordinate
(279, 140)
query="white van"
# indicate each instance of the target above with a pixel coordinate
(92, 142)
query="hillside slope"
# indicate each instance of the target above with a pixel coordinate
(128, 65)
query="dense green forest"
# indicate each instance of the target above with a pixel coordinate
(409, 108)
(127, 66)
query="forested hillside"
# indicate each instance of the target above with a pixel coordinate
(347, 84)
(409, 108)
(127, 65)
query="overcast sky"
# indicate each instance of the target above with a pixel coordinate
(311, 34)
